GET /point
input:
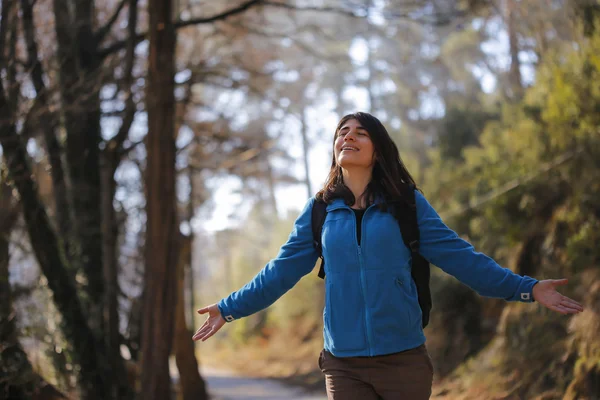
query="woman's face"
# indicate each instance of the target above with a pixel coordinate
(353, 146)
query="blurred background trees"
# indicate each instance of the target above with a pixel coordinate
(155, 156)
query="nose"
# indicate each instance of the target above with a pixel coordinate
(349, 135)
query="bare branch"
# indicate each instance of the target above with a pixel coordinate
(335, 10)
(242, 156)
(103, 31)
(224, 15)
(411, 11)
(181, 24)
(114, 113)
(126, 150)
(38, 111)
(308, 48)
(103, 53)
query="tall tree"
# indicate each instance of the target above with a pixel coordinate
(109, 162)
(79, 84)
(162, 223)
(515, 79)
(18, 380)
(45, 243)
(192, 385)
(87, 351)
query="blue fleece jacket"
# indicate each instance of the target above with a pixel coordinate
(371, 305)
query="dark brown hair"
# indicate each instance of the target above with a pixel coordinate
(389, 172)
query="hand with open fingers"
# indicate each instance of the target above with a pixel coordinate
(544, 292)
(213, 323)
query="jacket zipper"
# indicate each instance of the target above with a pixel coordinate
(362, 279)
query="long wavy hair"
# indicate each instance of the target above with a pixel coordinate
(389, 172)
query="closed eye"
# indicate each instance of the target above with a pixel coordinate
(359, 130)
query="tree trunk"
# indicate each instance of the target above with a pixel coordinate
(190, 264)
(320, 303)
(86, 350)
(110, 231)
(192, 384)
(305, 150)
(514, 75)
(370, 67)
(79, 83)
(271, 183)
(162, 229)
(110, 160)
(19, 381)
(53, 147)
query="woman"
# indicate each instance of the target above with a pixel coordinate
(374, 346)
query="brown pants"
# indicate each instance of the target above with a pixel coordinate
(407, 375)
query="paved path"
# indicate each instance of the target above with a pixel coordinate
(224, 385)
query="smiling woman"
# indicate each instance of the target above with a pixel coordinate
(374, 344)
(365, 162)
(353, 145)
(353, 150)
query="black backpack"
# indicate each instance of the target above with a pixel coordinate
(405, 213)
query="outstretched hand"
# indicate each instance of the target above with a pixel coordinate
(544, 292)
(213, 323)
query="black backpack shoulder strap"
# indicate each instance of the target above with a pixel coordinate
(319, 212)
(406, 215)
(407, 218)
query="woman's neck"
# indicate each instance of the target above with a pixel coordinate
(357, 179)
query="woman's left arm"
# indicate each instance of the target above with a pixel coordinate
(444, 248)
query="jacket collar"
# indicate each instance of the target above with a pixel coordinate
(336, 204)
(339, 203)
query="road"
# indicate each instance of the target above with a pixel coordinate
(224, 385)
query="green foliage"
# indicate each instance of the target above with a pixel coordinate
(460, 128)
(533, 338)
(526, 193)
(585, 346)
(537, 155)
(454, 332)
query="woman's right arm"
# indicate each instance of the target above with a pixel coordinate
(296, 258)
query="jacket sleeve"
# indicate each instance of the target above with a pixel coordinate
(444, 248)
(296, 258)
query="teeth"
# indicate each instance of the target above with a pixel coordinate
(349, 148)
